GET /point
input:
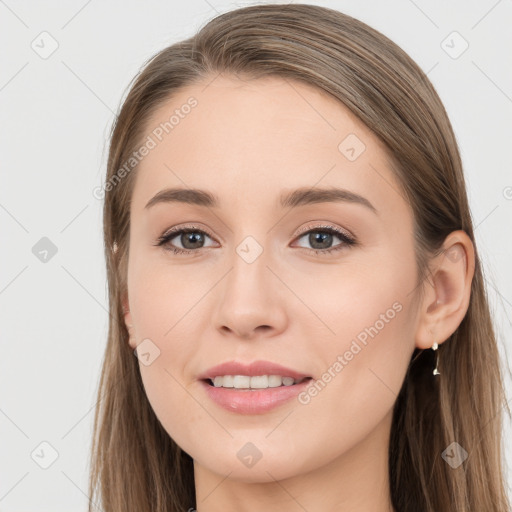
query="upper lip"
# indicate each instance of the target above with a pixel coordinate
(251, 369)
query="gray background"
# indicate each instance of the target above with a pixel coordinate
(56, 112)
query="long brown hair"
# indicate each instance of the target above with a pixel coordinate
(135, 465)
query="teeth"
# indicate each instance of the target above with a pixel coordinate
(274, 381)
(257, 382)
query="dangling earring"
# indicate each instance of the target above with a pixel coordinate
(435, 346)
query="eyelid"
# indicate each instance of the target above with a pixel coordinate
(187, 227)
(307, 228)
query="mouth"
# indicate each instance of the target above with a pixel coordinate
(252, 388)
(253, 383)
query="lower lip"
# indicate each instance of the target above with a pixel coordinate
(248, 401)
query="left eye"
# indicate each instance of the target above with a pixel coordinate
(320, 238)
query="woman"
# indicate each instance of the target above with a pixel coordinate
(291, 259)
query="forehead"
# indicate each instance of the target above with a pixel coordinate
(245, 138)
(268, 110)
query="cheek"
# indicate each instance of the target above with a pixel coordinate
(166, 320)
(363, 300)
(170, 398)
(164, 299)
(362, 334)
(165, 312)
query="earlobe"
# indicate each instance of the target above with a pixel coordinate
(447, 292)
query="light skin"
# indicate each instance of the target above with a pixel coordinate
(247, 142)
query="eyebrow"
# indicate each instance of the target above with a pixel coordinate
(289, 199)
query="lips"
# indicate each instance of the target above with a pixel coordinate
(252, 401)
(253, 369)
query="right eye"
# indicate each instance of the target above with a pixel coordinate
(189, 238)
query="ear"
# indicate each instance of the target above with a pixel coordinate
(128, 322)
(447, 290)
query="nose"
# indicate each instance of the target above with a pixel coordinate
(250, 301)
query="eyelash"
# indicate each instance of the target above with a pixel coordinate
(347, 240)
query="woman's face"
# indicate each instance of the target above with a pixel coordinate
(266, 281)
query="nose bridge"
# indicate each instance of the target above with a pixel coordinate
(249, 275)
(248, 297)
